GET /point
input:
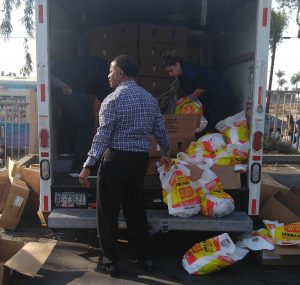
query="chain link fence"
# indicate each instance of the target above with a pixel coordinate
(14, 131)
(281, 120)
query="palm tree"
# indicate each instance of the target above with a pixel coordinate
(281, 81)
(279, 22)
(295, 79)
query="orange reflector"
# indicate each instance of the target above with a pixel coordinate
(44, 138)
(46, 204)
(257, 141)
(253, 207)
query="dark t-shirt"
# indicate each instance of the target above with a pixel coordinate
(218, 93)
(84, 73)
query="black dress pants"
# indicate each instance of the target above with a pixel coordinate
(120, 181)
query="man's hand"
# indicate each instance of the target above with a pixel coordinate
(166, 163)
(83, 177)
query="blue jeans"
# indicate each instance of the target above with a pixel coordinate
(78, 120)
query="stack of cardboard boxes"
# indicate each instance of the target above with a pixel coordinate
(19, 192)
(148, 44)
(155, 44)
(111, 40)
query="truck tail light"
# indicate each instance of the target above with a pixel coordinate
(45, 169)
(44, 138)
(255, 173)
(257, 141)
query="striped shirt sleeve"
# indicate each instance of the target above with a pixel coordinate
(107, 122)
(160, 133)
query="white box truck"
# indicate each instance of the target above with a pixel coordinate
(230, 35)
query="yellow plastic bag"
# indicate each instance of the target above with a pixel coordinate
(284, 234)
(181, 198)
(198, 147)
(217, 204)
(185, 106)
(212, 255)
(257, 240)
(234, 129)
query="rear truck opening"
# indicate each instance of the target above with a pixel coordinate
(231, 36)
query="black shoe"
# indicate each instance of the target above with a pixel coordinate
(146, 263)
(108, 268)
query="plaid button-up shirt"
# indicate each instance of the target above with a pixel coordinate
(127, 118)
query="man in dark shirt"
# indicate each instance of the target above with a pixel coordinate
(73, 80)
(200, 82)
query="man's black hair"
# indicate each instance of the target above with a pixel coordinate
(127, 64)
(171, 60)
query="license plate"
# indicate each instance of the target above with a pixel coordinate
(70, 199)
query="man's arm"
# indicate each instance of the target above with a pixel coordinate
(161, 135)
(107, 121)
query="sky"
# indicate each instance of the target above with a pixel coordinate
(12, 55)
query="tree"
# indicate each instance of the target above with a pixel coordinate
(295, 79)
(281, 81)
(291, 4)
(279, 22)
(28, 22)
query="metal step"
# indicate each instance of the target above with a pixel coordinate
(159, 220)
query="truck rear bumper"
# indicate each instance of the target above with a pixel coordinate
(159, 220)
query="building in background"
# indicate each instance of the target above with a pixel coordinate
(18, 117)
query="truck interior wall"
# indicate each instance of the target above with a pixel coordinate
(241, 78)
(239, 34)
(234, 49)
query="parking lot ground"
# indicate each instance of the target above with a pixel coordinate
(73, 260)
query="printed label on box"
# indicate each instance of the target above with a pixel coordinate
(18, 201)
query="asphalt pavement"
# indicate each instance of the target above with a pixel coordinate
(74, 259)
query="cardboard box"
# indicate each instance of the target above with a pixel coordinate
(28, 160)
(164, 34)
(269, 186)
(151, 68)
(154, 85)
(229, 178)
(152, 55)
(281, 255)
(178, 143)
(12, 169)
(157, 51)
(4, 187)
(16, 256)
(283, 207)
(32, 178)
(109, 51)
(109, 33)
(179, 124)
(14, 205)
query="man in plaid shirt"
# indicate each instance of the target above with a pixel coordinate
(127, 118)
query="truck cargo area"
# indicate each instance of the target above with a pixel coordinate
(216, 33)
